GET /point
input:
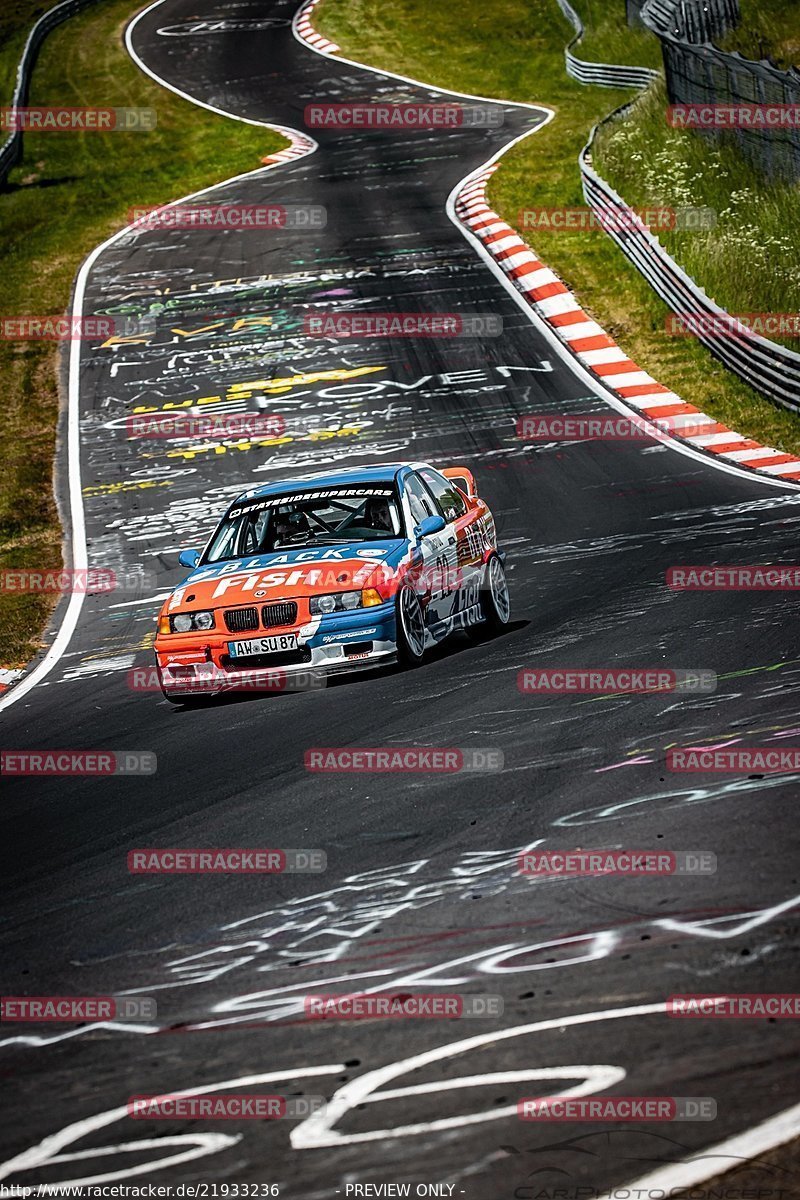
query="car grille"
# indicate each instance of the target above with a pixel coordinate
(240, 619)
(273, 615)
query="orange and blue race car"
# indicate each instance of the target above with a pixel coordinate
(333, 572)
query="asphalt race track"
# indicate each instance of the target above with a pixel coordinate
(421, 891)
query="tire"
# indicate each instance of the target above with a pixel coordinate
(495, 602)
(410, 628)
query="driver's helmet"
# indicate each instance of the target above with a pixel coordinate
(289, 524)
(377, 514)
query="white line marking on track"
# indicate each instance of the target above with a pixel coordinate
(317, 1129)
(775, 1131)
(760, 1135)
(46, 1151)
(745, 921)
(77, 532)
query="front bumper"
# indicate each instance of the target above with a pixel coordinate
(194, 664)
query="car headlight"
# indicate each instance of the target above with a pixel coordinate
(335, 602)
(190, 621)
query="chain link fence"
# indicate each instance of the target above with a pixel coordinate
(698, 73)
(772, 369)
(689, 20)
(701, 75)
(11, 149)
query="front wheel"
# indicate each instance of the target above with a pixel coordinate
(495, 601)
(410, 628)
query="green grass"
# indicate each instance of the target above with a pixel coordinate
(71, 192)
(768, 28)
(515, 51)
(607, 39)
(750, 262)
(16, 19)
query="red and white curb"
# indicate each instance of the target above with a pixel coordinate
(300, 146)
(305, 30)
(598, 352)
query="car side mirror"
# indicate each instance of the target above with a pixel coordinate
(428, 526)
(189, 558)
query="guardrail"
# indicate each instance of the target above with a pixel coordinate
(601, 74)
(772, 369)
(690, 20)
(11, 150)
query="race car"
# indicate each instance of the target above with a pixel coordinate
(333, 572)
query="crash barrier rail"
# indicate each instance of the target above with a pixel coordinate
(11, 150)
(601, 74)
(699, 73)
(690, 20)
(772, 369)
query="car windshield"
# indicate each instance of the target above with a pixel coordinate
(327, 517)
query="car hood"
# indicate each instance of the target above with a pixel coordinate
(300, 572)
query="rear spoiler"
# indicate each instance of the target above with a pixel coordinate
(463, 479)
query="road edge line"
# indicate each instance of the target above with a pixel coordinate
(76, 533)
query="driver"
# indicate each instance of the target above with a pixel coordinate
(378, 515)
(289, 526)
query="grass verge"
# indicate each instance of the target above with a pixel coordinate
(516, 52)
(71, 191)
(607, 39)
(16, 19)
(767, 29)
(750, 262)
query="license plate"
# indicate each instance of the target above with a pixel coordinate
(264, 645)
